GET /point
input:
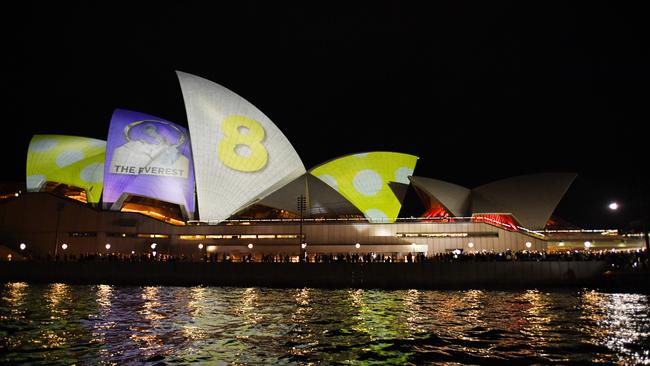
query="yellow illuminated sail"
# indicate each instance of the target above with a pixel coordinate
(71, 160)
(373, 182)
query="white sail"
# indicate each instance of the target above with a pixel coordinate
(240, 155)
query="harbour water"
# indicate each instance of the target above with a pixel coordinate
(60, 324)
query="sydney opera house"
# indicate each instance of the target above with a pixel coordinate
(234, 184)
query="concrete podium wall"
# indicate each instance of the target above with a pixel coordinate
(367, 275)
(43, 222)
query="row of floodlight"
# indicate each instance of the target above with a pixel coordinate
(64, 246)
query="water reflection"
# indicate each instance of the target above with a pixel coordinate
(104, 320)
(63, 324)
(14, 297)
(620, 322)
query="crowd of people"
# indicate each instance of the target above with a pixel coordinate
(632, 259)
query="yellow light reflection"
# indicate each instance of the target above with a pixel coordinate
(151, 303)
(103, 297)
(198, 310)
(414, 314)
(247, 307)
(538, 317)
(57, 293)
(149, 342)
(301, 317)
(57, 298)
(16, 292)
(104, 293)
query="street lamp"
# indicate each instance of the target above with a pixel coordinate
(108, 246)
(529, 244)
(200, 246)
(23, 246)
(357, 245)
(613, 206)
(301, 205)
(250, 245)
(587, 244)
(471, 245)
(64, 246)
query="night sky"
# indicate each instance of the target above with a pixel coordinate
(478, 91)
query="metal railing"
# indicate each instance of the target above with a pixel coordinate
(450, 220)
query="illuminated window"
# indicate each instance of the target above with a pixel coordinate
(121, 235)
(162, 236)
(287, 236)
(448, 235)
(192, 237)
(214, 236)
(82, 234)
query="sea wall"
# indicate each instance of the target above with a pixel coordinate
(341, 275)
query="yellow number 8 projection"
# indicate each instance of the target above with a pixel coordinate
(241, 147)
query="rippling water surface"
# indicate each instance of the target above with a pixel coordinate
(64, 324)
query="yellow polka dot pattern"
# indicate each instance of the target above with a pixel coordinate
(71, 160)
(364, 180)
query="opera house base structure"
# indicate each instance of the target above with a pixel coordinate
(44, 222)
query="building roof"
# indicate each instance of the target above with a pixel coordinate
(454, 198)
(530, 199)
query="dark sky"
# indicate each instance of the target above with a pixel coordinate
(480, 91)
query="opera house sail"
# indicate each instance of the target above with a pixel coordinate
(374, 182)
(70, 160)
(147, 156)
(240, 155)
